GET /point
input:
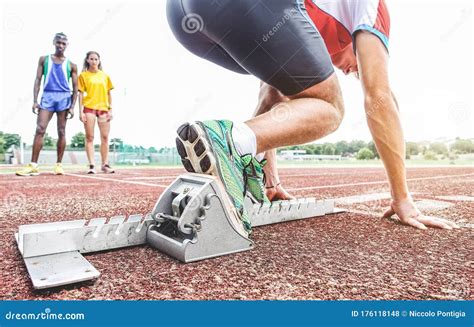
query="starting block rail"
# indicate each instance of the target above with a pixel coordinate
(189, 222)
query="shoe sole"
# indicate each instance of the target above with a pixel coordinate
(32, 174)
(195, 151)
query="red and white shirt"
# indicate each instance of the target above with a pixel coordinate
(338, 20)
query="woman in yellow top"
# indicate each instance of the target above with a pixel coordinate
(95, 103)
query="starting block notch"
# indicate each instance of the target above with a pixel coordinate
(189, 222)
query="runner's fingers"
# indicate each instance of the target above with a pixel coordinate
(388, 213)
(433, 222)
(415, 223)
(449, 223)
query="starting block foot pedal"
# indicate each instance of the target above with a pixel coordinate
(193, 223)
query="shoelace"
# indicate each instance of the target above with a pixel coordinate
(245, 175)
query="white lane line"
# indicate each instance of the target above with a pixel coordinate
(117, 180)
(362, 198)
(456, 198)
(432, 205)
(152, 178)
(311, 175)
(374, 183)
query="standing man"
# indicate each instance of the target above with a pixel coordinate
(58, 74)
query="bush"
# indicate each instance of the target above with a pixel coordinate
(463, 146)
(365, 154)
(430, 155)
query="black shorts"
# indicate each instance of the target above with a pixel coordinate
(274, 40)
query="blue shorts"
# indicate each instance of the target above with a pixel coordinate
(55, 101)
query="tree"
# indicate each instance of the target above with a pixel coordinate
(371, 147)
(365, 154)
(413, 148)
(48, 141)
(11, 139)
(2, 144)
(355, 146)
(329, 149)
(463, 146)
(78, 140)
(439, 148)
(342, 147)
(152, 149)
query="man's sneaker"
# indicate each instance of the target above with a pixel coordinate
(91, 169)
(29, 170)
(256, 180)
(207, 147)
(58, 169)
(107, 169)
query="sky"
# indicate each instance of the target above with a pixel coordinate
(159, 84)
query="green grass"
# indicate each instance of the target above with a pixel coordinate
(462, 161)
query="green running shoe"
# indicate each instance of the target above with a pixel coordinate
(256, 180)
(207, 147)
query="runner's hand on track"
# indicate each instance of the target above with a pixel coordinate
(36, 108)
(408, 214)
(278, 193)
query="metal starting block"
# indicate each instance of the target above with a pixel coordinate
(191, 221)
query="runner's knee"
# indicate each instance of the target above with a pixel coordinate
(330, 92)
(89, 137)
(61, 132)
(40, 130)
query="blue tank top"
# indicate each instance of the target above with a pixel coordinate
(56, 76)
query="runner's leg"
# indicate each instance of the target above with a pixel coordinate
(44, 116)
(104, 128)
(89, 126)
(61, 146)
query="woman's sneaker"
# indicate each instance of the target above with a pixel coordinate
(207, 147)
(91, 169)
(107, 169)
